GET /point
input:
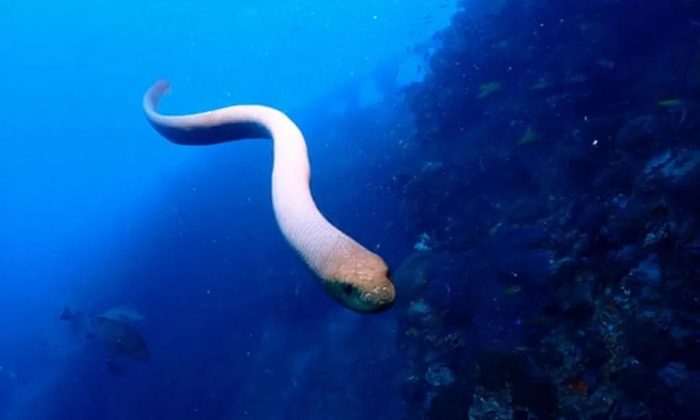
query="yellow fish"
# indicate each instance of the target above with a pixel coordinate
(512, 289)
(489, 88)
(671, 103)
(528, 137)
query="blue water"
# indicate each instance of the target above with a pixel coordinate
(99, 210)
(528, 170)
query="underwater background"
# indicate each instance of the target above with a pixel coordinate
(529, 170)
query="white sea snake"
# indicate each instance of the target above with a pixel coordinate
(355, 276)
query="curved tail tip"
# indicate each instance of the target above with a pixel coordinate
(160, 87)
(154, 93)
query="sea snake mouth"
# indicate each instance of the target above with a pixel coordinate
(353, 275)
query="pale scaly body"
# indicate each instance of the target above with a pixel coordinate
(352, 274)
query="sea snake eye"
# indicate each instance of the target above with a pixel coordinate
(347, 289)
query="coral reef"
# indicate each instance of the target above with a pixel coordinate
(556, 267)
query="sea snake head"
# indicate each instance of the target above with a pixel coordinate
(365, 287)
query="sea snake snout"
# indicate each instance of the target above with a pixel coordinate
(380, 298)
(352, 274)
(364, 299)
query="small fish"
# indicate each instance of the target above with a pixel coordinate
(675, 106)
(606, 64)
(503, 44)
(541, 84)
(117, 337)
(412, 332)
(123, 313)
(671, 103)
(528, 137)
(513, 289)
(487, 89)
(693, 247)
(576, 78)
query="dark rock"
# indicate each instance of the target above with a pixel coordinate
(673, 374)
(452, 402)
(639, 135)
(648, 271)
(674, 169)
(577, 297)
(530, 388)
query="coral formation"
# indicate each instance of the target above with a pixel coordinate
(562, 278)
